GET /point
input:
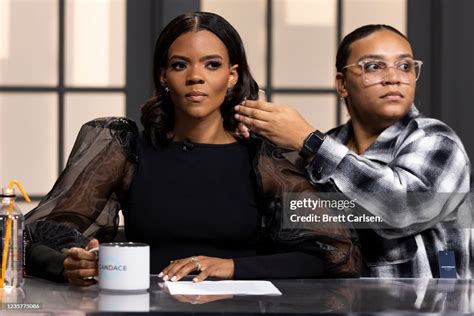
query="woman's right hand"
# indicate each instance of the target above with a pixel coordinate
(80, 265)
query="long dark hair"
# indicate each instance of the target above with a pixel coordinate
(344, 49)
(158, 112)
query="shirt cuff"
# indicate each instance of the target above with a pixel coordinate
(326, 160)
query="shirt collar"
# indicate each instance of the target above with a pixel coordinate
(345, 133)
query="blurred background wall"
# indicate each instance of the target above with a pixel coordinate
(64, 62)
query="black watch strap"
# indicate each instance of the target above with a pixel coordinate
(311, 144)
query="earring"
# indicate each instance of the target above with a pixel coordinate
(167, 89)
(228, 92)
(343, 101)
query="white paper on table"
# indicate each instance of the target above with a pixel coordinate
(222, 288)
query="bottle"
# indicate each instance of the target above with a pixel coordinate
(12, 224)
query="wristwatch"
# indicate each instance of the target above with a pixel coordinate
(311, 144)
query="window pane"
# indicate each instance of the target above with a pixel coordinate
(95, 43)
(83, 107)
(28, 140)
(29, 42)
(304, 36)
(318, 110)
(248, 18)
(392, 12)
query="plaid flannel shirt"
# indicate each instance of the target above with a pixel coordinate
(415, 156)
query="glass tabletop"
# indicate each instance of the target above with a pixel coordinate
(300, 296)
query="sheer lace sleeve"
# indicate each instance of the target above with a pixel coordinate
(85, 200)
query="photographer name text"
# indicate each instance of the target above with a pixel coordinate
(341, 218)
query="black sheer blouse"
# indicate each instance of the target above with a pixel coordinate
(181, 203)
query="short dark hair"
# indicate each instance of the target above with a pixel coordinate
(158, 112)
(344, 49)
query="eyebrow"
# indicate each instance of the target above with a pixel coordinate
(207, 57)
(382, 57)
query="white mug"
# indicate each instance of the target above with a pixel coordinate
(124, 266)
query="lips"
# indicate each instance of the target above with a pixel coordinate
(196, 96)
(392, 95)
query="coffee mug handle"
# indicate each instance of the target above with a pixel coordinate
(96, 250)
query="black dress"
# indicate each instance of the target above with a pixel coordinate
(199, 199)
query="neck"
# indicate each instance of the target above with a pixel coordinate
(204, 131)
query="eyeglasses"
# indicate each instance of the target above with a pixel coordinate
(376, 71)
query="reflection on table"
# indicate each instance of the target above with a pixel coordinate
(299, 296)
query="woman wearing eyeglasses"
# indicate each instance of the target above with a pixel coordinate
(410, 171)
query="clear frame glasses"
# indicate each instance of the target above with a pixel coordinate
(375, 71)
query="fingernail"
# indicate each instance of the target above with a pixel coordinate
(166, 278)
(173, 278)
(236, 107)
(236, 116)
(160, 275)
(195, 280)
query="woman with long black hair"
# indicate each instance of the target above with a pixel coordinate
(186, 185)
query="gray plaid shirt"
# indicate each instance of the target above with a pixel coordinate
(416, 177)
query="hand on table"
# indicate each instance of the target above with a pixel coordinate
(280, 123)
(207, 266)
(81, 265)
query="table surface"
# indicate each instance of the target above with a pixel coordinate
(377, 296)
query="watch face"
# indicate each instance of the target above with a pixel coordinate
(313, 142)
